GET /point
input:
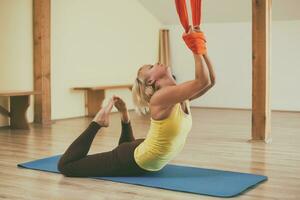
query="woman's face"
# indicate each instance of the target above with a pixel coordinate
(151, 73)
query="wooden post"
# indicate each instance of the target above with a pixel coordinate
(41, 29)
(164, 47)
(261, 114)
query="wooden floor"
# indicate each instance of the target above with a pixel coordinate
(218, 140)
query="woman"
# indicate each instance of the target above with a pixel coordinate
(156, 92)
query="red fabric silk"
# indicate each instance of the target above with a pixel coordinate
(195, 40)
(183, 14)
(196, 11)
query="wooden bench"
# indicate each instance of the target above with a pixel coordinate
(95, 96)
(19, 103)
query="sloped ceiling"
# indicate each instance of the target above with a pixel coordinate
(222, 10)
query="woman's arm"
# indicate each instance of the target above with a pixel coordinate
(211, 75)
(207, 61)
(174, 94)
(209, 65)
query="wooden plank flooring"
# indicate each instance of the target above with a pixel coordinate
(218, 140)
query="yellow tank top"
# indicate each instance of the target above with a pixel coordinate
(164, 140)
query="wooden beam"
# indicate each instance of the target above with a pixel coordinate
(42, 74)
(104, 87)
(261, 113)
(164, 47)
(9, 93)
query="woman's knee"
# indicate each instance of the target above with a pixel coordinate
(66, 172)
(63, 169)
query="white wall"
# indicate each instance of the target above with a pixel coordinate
(94, 42)
(229, 47)
(98, 42)
(16, 56)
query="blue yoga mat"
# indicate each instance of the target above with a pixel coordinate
(174, 177)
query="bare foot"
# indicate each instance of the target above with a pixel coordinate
(122, 108)
(102, 117)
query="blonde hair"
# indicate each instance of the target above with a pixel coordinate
(141, 94)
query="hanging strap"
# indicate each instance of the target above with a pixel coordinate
(196, 12)
(183, 14)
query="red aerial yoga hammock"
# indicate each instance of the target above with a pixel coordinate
(195, 40)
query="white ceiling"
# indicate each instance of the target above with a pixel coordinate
(222, 10)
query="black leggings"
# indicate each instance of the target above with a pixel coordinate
(119, 162)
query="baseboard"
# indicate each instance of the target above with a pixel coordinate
(4, 127)
(244, 109)
(195, 107)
